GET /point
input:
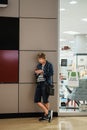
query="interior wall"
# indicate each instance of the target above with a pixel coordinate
(38, 32)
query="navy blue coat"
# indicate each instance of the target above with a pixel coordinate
(48, 72)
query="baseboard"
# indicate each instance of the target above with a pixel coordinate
(23, 115)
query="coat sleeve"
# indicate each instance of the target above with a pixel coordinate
(49, 71)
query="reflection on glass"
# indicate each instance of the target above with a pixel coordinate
(65, 125)
(73, 56)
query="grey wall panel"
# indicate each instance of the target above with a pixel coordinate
(28, 64)
(38, 8)
(12, 9)
(26, 98)
(38, 34)
(8, 98)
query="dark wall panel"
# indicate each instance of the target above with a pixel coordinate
(9, 66)
(9, 33)
(3, 1)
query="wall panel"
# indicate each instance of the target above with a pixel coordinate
(28, 63)
(9, 33)
(12, 10)
(38, 34)
(9, 67)
(8, 98)
(26, 98)
(38, 8)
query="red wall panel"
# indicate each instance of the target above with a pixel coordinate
(8, 66)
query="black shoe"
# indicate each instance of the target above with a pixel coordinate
(51, 114)
(43, 118)
(49, 118)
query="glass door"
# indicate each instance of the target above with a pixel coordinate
(73, 58)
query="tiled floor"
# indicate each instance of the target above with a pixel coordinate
(60, 123)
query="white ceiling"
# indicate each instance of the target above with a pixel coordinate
(71, 19)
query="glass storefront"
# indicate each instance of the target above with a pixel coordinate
(73, 57)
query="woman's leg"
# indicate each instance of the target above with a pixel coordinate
(43, 107)
(47, 105)
(45, 97)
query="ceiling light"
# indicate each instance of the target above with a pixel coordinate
(84, 19)
(62, 40)
(62, 9)
(72, 42)
(73, 2)
(71, 32)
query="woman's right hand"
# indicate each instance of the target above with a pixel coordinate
(38, 71)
